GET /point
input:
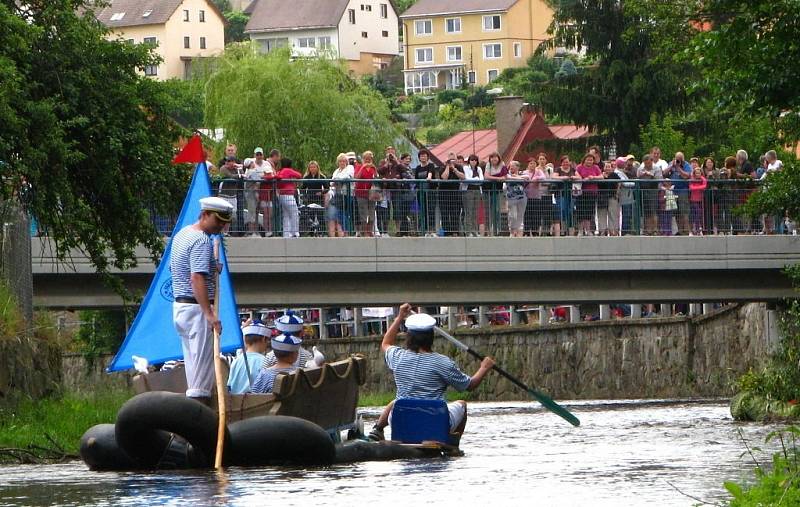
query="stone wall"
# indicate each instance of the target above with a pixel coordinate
(28, 367)
(82, 375)
(645, 358)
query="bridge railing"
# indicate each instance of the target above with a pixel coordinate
(325, 207)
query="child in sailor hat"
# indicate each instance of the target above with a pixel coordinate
(290, 324)
(286, 349)
(256, 335)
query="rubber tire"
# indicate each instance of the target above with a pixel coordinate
(279, 440)
(354, 451)
(144, 424)
(100, 452)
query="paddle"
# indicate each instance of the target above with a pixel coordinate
(218, 370)
(542, 398)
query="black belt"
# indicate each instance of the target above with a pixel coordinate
(192, 301)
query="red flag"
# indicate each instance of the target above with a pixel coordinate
(192, 153)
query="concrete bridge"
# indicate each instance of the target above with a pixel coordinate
(276, 272)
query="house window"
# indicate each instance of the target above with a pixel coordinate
(151, 70)
(423, 27)
(324, 42)
(452, 25)
(384, 11)
(130, 41)
(417, 82)
(385, 33)
(272, 44)
(306, 42)
(146, 14)
(491, 23)
(351, 16)
(492, 51)
(186, 14)
(364, 35)
(453, 53)
(202, 17)
(491, 75)
(471, 77)
(517, 50)
(117, 16)
(186, 44)
(150, 40)
(424, 55)
(202, 42)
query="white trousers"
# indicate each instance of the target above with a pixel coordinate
(197, 339)
(290, 215)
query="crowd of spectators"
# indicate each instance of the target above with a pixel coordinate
(466, 196)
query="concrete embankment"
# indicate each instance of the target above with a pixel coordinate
(646, 358)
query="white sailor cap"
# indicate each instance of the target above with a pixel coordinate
(286, 343)
(218, 205)
(256, 327)
(420, 322)
(289, 323)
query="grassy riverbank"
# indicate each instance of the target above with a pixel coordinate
(55, 423)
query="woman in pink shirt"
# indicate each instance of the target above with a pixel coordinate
(290, 215)
(589, 172)
(539, 212)
(697, 189)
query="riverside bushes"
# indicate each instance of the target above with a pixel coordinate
(778, 484)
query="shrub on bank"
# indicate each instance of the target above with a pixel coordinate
(778, 484)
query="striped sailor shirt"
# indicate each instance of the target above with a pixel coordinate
(424, 375)
(192, 252)
(265, 380)
(303, 357)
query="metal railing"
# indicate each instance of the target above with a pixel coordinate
(324, 207)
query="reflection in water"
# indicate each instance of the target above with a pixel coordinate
(624, 453)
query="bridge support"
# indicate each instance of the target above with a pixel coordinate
(514, 315)
(605, 312)
(708, 308)
(666, 310)
(483, 317)
(357, 327)
(451, 318)
(544, 317)
(574, 314)
(636, 311)
(323, 328)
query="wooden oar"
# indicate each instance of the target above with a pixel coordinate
(542, 398)
(222, 413)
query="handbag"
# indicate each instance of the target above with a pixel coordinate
(576, 189)
(375, 193)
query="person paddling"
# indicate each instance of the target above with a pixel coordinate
(420, 373)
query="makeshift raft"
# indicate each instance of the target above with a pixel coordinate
(301, 423)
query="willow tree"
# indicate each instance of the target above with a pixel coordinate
(309, 108)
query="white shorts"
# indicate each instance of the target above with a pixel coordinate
(456, 410)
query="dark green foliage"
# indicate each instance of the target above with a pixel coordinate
(234, 29)
(91, 134)
(624, 83)
(185, 102)
(780, 194)
(101, 331)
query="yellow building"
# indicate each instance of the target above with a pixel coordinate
(446, 41)
(182, 31)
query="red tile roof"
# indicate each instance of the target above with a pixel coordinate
(483, 144)
(569, 131)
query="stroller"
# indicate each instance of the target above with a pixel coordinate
(312, 220)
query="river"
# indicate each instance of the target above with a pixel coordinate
(624, 453)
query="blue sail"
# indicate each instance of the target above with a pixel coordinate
(152, 335)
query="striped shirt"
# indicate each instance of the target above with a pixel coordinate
(266, 379)
(192, 252)
(424, 375)
(302, 358)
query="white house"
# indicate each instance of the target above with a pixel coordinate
(362, 32)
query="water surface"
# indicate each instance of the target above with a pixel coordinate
(624, 453)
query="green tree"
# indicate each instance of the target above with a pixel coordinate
(92, 136)
(234, 29)
(309, 108)
(747, 56)
(624, 81)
